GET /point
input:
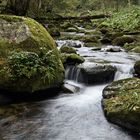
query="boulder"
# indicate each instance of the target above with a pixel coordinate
(69, 88)
(120, 41)
(71, 59)
(67, 49)
(109, 37)
(104, 30)
(96, 73)
(121, 103)
(105, 40)
(29, 59)
(132, 47)
(136, 49)
(137, 68)
(89, 39)
(110, 48)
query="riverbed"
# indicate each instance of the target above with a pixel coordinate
(77, 116)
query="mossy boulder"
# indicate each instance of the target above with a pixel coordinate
(110, 36)
(29, 59)
(104, 30)
(71, 59)
(133, 47)
(67, 49)
(89, 39)
(120, 41)
(121, 103)
(136, 49)
(137, 68)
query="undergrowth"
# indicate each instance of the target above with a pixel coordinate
(126, 19)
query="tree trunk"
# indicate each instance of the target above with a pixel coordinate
(129, 3)
(18, 7)
(79, 18)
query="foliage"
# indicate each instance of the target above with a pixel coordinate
(39, 8)
(29, 65)
(127, 19)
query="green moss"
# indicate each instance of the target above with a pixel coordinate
(71, 58)
(122, 102)
(67, 49)
(89, 38)
(133, 47)
(120, 41)
(43, 37)
(121, 85)
(136, 49)
(10, 18)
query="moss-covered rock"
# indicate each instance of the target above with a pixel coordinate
(110, 36)
(133, 47)
(90, 39)
(71, 59)
(136, 49)
(120, 41)
(121, 103)
(104, 30)
(137, 68)
(67, 49)
(29, 59)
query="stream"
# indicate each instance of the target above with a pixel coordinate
(76, 116)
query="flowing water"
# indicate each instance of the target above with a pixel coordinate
(76, 116)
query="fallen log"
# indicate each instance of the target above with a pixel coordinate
(77, 18)
(81, 17)
(132, 33)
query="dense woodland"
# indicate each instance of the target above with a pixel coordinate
(31, 7)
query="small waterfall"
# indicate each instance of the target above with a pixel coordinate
(73, 73)
(123, 71)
